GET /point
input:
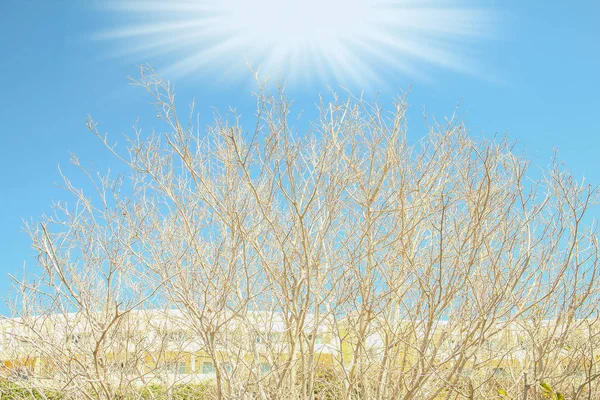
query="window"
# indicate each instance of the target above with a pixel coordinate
(177, 367)
(208, 368)
(268, 337)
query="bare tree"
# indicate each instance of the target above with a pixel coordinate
(346, 262)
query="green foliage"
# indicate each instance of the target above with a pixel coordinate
(152, 391)
(327, 387)
(203, 391)
(327, 384)
(549, 393)
(199, 391)
(13, 391)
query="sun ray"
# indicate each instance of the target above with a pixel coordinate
(308, 40)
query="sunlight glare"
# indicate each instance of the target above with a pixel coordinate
(349, 41)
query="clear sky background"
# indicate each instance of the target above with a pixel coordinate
(532, 72)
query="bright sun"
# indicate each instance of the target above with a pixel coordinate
(338, 41)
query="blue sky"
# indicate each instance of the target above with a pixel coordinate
(534, 75)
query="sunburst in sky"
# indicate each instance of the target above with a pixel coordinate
(334, 41)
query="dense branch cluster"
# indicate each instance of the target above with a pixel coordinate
(344, 263)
